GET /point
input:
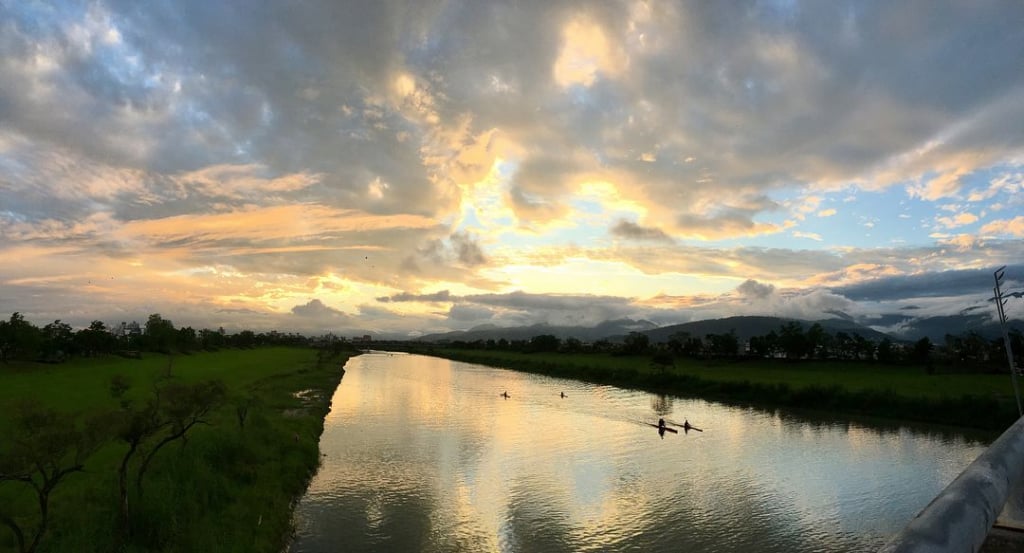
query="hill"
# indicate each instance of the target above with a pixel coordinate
(616, 327)
(747, 327)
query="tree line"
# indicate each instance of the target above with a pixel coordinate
(791, 341)
(42, 446)
(57, 341)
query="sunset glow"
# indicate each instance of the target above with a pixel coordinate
(400, 168)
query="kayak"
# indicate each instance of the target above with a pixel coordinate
(667, 429)
(686, 427)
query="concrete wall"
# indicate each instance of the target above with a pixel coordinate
(959, 518)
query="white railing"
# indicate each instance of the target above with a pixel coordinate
(989, 490)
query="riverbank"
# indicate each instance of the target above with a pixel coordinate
(230, 487)
(977, 401)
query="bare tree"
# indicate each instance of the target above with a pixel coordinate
(167, 415)
(44, 448)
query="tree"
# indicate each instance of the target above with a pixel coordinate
(693, 348)
(544, 343)
(816, 340)
(210, 339)
(765, 346)
(186, 339)
(181, 407)
(886, 352)
(19, 338)
(58, 341)
(863, 348)
(677, 340)
(95, 340)
(922, 353)
(844, 346)
(636, 343)
(43, 448)
(572, 345)
(167, 415)
(160, 334)
(793, 341)
(724, 345)
(244, 339)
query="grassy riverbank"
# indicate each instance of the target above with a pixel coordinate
(228, 488)
(895, 392)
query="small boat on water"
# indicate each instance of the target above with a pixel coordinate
(665, 428)
(686, 426)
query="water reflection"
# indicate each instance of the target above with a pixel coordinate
(424, 454)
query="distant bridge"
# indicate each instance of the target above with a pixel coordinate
(981, 510)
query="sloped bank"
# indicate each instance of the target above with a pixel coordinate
(231, 487)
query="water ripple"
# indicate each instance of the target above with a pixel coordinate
(423, 454)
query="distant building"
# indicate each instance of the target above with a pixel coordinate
(362, 339)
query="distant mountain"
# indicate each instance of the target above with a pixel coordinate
(936, 328)
(897, 326)
(747, 327)
(584, 333)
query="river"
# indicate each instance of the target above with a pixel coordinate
(424, 454)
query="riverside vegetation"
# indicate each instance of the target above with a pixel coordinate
(961, 382)
(200, 452)
(942, 389)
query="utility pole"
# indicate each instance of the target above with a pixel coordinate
(1000, 305)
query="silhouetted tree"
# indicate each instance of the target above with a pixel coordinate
(58, 341)
(816, 338)
(886, 352)
(544, 343)
(677, 341)
(724, 345)
(572, 345)
(765, 346)
(19, 339)
(793, 341)
(94, 340)
(863, 348)
(636, 343)
(160, 334)
(187, 340)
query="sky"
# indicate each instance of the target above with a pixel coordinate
(400, 168)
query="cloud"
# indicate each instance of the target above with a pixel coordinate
(231, 156)
(926, 285)
(316, 308)
(957, 220)
(443, 295)
(460, 313)
(633, 231)
(1003, 227)
(810, 235)
(754, 289)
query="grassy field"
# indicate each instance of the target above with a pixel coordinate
(893, 391)
(228, 489)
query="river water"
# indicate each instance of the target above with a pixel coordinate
(424, 454)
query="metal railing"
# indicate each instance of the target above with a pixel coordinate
(959, 519)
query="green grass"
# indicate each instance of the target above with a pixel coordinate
(891, 391)
(226, 490)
